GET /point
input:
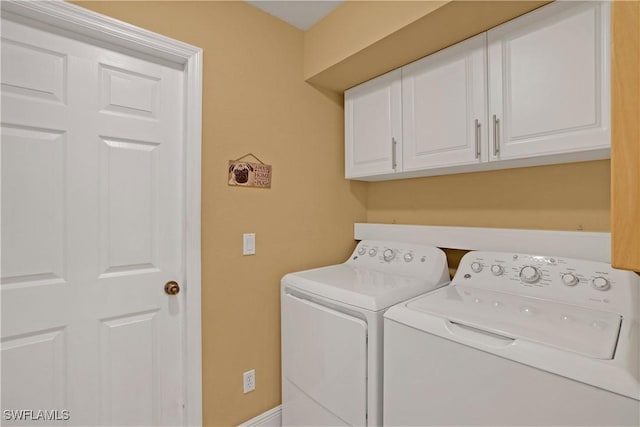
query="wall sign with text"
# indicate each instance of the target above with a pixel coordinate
(246, 174)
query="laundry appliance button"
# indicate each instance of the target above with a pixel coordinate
(529, 274)
(569, 279)
(497, 270)
(600, 283)
(389, 254)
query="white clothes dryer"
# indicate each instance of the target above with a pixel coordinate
(332, 337)
(517, 340)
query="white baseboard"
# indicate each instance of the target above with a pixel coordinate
(270, 418)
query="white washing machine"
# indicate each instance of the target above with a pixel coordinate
(517, 340)
(332, 330)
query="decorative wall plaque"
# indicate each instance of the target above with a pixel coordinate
(247, 174)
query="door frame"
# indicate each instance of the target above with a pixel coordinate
(86, 25)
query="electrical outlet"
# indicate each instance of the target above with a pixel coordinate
(249, 381)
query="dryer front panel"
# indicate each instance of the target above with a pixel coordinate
(324, 356)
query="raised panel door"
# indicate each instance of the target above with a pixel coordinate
(373, 133)
(549, 82)
(92, 227)
(444, 107)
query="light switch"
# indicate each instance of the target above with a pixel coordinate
(248, 244)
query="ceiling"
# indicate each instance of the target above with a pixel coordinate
(302, 14)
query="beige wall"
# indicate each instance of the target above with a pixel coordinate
(355, 26)
(572, 196)
(255, 100)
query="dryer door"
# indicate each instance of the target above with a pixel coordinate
(324, 356)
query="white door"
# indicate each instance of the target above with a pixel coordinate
(444, 107)
(549, 81)
(373, 127)
(92, 214)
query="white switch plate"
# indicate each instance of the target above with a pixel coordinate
(248, 244)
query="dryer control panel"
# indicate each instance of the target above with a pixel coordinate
(581, 282)
(404, 259)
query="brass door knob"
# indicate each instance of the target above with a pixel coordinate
(171, 288)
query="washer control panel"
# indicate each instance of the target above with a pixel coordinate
(586, 283)
(400, 258)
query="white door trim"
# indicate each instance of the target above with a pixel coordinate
(72, 19)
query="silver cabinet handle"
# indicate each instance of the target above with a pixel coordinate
(393, 153)
(496, 138)
(478, 136)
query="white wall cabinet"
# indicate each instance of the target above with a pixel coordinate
(532, 91)
(549, 80)
(373, 127)
(444, 107)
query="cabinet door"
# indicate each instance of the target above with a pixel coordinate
(373, 127)
(549, 82)
(444, 107)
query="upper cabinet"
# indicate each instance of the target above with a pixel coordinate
(549, 82)
(373, 126)
(532, 91)
(444, 107)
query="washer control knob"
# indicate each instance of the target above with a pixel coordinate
(361, 250)
(569, 279)
(408, 257)
(529, 274)
(373, 252)
(476, 267)
(497, 270)
(389, 254)
(600, 283)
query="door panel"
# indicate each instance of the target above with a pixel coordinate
(33, 253)
(534, 94)
(92, 179)
(41, 356)
(128, 178)
(128, 92)
(443, 98)
(129, 344)
(372, 120)
(31, 71)
(549, 80)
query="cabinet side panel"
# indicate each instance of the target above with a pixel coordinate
(625, 127)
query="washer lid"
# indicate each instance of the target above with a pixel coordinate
(361, 287)
(588, 332)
